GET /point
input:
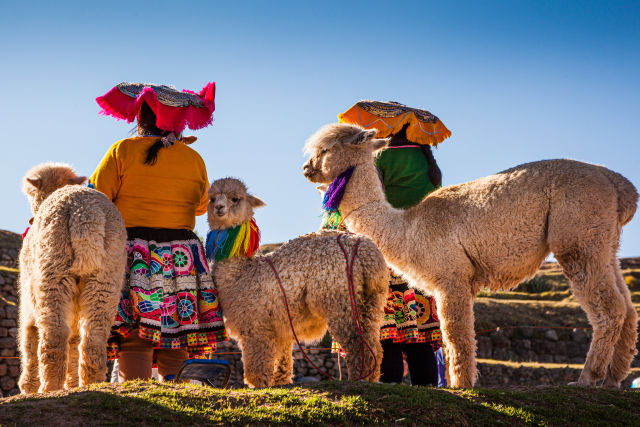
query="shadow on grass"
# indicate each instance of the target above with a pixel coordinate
(543, 405)
(94, 408)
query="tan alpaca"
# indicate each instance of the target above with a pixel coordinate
(72, 265)
(493, 233)
(313, 273)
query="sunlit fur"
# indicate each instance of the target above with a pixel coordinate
(72, 265)
(493, 233)
(313, 273)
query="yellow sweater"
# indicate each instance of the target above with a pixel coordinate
(168, 194)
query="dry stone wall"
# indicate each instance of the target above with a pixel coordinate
(9, 363)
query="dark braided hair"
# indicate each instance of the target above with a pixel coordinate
(147, 126)
(435, 175)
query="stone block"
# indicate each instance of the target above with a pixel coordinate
(7, 383)
(580, 336)
(3, 370)
(573, 349)
(551, 335)
(499, 340)
(485, 347)
(500, 354)
(4, 332)
(13, 332)
(14, 371)
(8, 323)
(11, 312)
(8, 342)
(8, 352)
(525, 332)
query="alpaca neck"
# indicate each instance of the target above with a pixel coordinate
(242, 240)
(366, 211)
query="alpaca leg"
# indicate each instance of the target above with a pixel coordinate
(371, 313)
(29, 378)
(363, 359)
(456, 322)
(98, 304)
(595, 288)
(258, 356)
(54, 308)
(283, 369)
(625, 347)
(72, 364)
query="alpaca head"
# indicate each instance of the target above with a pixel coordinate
(336, 147)
(229, 204)
(44, 179)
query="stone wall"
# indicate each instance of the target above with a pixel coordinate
(544, 345)
(9, 363)
(10, 244)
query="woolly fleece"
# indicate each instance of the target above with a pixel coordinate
(493, 233)
(72, 265)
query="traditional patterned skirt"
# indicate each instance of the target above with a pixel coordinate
(169, 295)
(410, 315)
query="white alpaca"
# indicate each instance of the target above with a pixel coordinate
(493, 233)
(313, 271)
(72, 265)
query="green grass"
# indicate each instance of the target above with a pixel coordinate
(331, 403)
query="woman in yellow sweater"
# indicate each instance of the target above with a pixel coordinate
(169, 307)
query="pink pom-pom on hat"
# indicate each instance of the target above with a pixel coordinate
(174, 110)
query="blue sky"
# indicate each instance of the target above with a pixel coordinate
(515, 81)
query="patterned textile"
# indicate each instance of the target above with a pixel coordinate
(410, 315)
(388, 118)
(169, 296)
(174, 109)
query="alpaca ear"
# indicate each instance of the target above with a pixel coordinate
(255, 202)
(36, 182)
(363, 137)
(379, 143)
(77, 180)
(322, 189)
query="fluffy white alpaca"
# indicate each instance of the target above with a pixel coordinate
(313, 271)
(493, 233)
(72, 265)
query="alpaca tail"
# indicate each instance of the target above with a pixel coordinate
(627, 196)
(87, 232)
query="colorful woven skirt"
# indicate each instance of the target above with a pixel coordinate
(410, 315)
(169, 295)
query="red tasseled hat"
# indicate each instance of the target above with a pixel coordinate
(174, 110)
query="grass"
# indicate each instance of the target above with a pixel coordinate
(329, 403)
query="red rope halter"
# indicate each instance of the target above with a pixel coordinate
(354, 309)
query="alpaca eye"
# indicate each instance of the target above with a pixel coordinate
(212, 200)
(235, 199)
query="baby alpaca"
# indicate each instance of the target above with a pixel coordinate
(313, 271)
(72, 265)
(493, 233)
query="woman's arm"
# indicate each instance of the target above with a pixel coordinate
(107, 176)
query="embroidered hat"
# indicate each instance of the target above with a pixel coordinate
(390, 117)
(174, 109)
